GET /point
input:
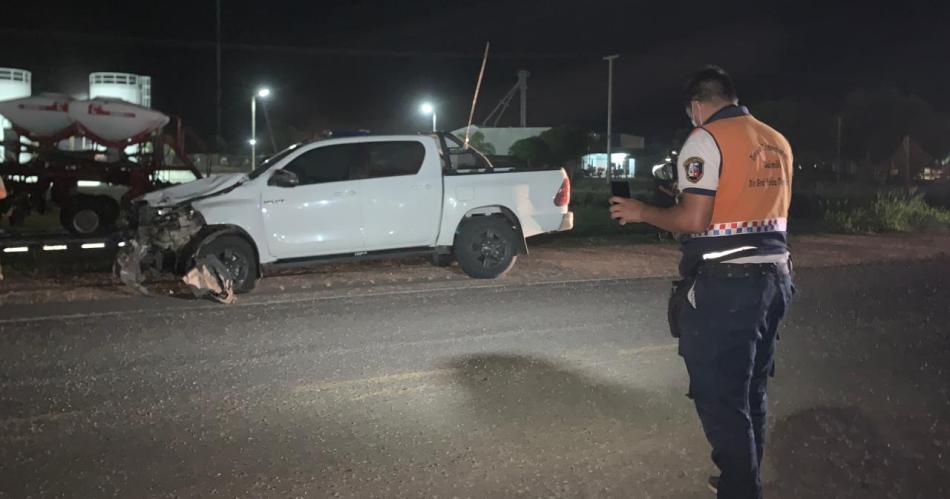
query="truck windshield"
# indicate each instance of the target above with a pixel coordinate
(269, 162)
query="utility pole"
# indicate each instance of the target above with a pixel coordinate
(610, 109)
(837, 153)
(907, 182)
(523, 83)
(270, 130)
(217, 58)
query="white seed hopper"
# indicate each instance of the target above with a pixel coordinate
(111, 122)
(43, 116)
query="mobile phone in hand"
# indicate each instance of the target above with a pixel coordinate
(620, 188)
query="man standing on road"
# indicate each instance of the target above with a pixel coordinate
(735, 178)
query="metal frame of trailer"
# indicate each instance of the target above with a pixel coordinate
(59, 172)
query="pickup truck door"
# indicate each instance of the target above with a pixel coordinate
(402, 193)
(320, 216)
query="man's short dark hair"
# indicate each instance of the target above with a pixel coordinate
(709, 84)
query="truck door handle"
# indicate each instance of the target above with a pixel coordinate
(346, 193)
(417, 187)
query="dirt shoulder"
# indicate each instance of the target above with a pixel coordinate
(553, 259)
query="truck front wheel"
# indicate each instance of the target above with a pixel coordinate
(237, 256)
(485, 247)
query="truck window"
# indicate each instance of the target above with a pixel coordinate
(326, 164)
(269, 162)
(393, 159)
(466, 159)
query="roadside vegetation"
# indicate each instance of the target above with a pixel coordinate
(888, 212)
(848, 208)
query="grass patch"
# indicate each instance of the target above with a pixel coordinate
(888, 212)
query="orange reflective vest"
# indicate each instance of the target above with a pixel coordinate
(753, 192)
(755, 176)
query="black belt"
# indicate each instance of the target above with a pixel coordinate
(719, 270)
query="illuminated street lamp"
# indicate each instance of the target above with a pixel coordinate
(428, 108)
(261, 93)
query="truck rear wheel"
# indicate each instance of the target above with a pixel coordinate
(485, 247)
(238, 257)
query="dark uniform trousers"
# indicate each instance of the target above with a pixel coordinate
(727, 339)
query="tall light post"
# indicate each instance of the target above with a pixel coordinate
(262, 93)
(610, 109)
(428, 108)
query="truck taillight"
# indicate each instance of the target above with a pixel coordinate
(563, 196)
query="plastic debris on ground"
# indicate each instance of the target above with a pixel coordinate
(209, 278)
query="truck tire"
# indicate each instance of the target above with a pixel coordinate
(442, 259)
(238, 257)
(86, 215)
(486, 247)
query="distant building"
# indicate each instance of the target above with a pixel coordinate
(595, 162)
(622, 147)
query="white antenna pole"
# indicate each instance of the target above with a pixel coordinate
(478, 87)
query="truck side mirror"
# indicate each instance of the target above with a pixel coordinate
(283, 178)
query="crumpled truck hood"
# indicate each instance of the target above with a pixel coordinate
(180, 193)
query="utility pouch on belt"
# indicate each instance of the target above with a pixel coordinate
(678, 300)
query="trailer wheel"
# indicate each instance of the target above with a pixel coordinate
(109, 208)
(17, 216)
(86, 215)
(485, 247)
(237, 256)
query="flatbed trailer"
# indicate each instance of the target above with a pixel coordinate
(56, 176)
(12, 243)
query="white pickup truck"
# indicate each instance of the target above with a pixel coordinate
(350, 198)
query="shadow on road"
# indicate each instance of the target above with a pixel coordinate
(514, 389)
(840, 452)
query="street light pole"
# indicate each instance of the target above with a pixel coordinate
(428, 108)
(253, 131)
(610, 109)
(262, 93)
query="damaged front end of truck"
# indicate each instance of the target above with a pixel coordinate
(155, 242)
(165, 236)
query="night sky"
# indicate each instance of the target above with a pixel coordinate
(368, 64)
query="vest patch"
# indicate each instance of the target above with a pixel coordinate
(694, 169)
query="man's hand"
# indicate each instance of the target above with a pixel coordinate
(691, 215)
(626, 210)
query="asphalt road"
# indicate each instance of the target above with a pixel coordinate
(569, 389)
